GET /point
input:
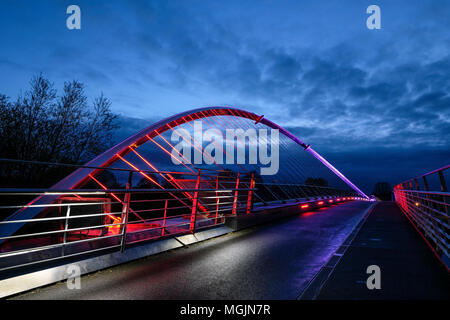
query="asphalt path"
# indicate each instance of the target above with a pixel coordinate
(274, 261)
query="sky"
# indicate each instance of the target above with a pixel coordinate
(375, 103)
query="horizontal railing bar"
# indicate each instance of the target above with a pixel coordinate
(426, 174)
(439, 242)
(429, 208)
(56, 245)
(44, 192)
(439, 193)
(415, 208)
(58, 205)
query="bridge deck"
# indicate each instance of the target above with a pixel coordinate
(408, 268)
(274, 261)
(277, 261)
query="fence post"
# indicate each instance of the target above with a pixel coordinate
(164, 221)
(194, 204)
(125, 211)
(443, 184)
(235, 195)
(66, 226)
(249, 198)
(443, 189)
(217, 198)
(425, 183)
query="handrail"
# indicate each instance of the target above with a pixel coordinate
(428, 211)
(72, 222)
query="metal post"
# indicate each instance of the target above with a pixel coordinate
(418, 197)
(443, 189)
(125, 212)
(285, 193)
(425, 183)
(249, 198)
(66, 226)
(164, 221)
(273, 194)
(235, 195)
(217, 198)
(194, 204)
(443, 184)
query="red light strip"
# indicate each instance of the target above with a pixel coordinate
(181, 155)
(115, 197)
(150, 179)
(195, 142)
(140, 171)
(172, 181)
(222, 117)
(170, 154)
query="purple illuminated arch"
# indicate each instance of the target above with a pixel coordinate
(109, 156)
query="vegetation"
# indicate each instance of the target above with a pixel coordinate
(42, 125)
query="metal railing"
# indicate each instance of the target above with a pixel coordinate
(46, 225)
(425, 202)
(74, 226)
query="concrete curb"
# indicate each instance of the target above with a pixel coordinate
(314, 287)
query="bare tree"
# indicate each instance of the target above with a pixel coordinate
(40, 125)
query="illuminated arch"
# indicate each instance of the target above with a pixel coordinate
(119, 151)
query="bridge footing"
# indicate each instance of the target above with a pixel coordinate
(33, 280)
(407, 267)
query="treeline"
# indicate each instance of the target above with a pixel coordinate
(44, 125)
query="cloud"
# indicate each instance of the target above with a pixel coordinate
(380, 109)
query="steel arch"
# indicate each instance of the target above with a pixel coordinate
(79, 176)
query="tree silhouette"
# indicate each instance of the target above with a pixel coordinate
(321, 182)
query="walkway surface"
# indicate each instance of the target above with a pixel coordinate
(407, 266)
(279, 260)
(274, 261)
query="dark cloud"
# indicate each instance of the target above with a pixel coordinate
(354, 93)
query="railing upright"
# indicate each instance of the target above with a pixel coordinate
(428, 210)
(236, 193)
(125, 212)
(250, 192)
(195, 204)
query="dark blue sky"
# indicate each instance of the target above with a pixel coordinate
(375, 103)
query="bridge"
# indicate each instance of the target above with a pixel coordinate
(227, 230)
